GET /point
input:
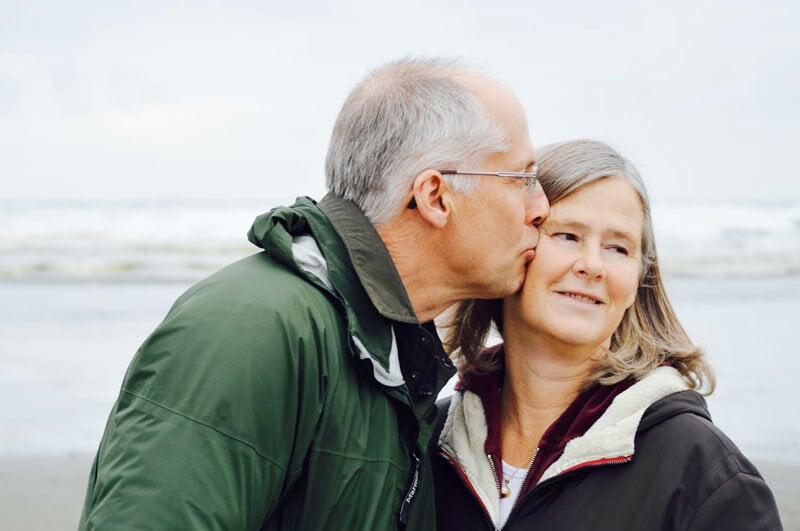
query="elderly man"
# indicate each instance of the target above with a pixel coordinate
(295, 389)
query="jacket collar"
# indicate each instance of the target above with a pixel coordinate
(370, 258)
(324, 261)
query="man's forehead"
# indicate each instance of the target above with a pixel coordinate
(505, 109)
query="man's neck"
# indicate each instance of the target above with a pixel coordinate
(371, 260)
(430, 291)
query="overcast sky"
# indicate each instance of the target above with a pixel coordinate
(200, 100)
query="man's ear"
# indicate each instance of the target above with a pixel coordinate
(432, 197)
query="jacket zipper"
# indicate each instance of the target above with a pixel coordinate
(527, 471)
(468, 484)
(516, 502)
(566, 473)
(494, 473)
(412, 491)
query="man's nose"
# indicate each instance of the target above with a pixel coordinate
(537, 207)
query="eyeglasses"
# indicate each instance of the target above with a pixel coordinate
(529, 180)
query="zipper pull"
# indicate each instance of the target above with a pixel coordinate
(494, 473)
(412, 491)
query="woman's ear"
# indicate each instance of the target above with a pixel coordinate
(432, 197)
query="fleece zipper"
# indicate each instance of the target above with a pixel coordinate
(520, 497)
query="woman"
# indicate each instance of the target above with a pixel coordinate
(588, 415)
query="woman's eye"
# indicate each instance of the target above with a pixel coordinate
(566, 236)
(619, 249)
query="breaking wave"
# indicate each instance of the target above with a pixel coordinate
(137, 242)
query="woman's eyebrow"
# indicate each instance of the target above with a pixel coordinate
(567, 223)
(622, 235)
(581, 226)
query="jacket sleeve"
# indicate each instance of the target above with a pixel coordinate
(743, 502)
(215, 417)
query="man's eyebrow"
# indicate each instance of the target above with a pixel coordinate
(523, 167)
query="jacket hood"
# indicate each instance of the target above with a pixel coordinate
(305, 240)
(680, 402)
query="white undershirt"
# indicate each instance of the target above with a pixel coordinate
(515, 484)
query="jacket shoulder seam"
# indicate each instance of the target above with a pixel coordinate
(206, 425)
(708, 426)
(728, 455)
(711, 494)
(358, 457)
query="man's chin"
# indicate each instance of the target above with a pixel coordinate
(517, 286)
(501, 290)
(523, 275)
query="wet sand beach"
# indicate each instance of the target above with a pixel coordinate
(47, 492)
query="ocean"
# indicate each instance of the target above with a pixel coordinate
(174, 241)
(83, 284)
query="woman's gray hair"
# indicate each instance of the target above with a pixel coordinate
(404, 118)
(649, 334)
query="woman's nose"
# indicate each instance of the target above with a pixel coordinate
(589, 263)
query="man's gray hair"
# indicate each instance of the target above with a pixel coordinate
(406, 117)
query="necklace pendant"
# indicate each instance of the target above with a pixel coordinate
(505, 491)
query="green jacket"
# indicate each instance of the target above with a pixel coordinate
(294, 389)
